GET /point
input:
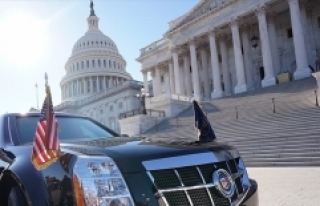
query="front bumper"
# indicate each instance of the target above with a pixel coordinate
(252, 197)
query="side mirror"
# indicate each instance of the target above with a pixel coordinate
(124, 135)
(7, 156)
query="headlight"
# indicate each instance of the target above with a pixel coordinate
(98, 182)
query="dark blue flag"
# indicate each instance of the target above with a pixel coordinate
(206, 133)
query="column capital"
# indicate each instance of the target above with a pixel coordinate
(174, 49)
(191, 41)
(152, 73)
(271, 15)
(261, 10)
(212, 31)
(234, 21)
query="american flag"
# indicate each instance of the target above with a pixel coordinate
(46, 146)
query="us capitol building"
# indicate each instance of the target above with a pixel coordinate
(96, 83)
(224, 47)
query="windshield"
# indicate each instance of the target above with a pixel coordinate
(70, 128)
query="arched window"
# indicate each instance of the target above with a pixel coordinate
(99, 63)
(82, 65)
(109, 63)
(114, 65)
(104, 63)
(88, 64)
(77, 65)
(92, 63)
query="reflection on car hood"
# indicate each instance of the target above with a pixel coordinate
(129, 153)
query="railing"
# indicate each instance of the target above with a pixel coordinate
(171, 96)
(153, 46)
(149, 112)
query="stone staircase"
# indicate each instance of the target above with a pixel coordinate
(288, 137)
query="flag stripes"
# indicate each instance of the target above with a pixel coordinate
(46, 145)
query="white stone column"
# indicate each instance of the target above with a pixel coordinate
(299, 43)
(273, 43)
(104, 83)
(206, 81)
(167, 81)
(304, 20)
(110, 81)
(78, 87)
(154, 86)
(85, 86)
(269, 78)
(98, 84)
(247, 56)
(172, 87)
(224, 65)
(91, 84)
(186, 64)
(241, 81)
(195, 71)
(217, 92)
(158, 80)
(176, 68)
(145, 81)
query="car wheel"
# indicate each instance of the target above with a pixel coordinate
(16, 197)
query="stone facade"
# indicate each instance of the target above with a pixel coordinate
(96, 83)
(207, 53)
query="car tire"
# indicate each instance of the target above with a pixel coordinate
(16, 197)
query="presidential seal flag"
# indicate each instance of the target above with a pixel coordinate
(46, 145)
(202, 124)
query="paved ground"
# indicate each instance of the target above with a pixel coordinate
(289, 186)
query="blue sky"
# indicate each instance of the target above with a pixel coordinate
(37, 36)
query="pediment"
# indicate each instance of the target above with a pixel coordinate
(201, 9)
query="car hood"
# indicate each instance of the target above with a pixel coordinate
(129, 153)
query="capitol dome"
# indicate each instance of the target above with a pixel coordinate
(94, 40)
(95, 64)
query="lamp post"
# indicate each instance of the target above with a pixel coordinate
(142, 96)
(254, 41)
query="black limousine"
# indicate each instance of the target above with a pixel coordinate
(97, 167)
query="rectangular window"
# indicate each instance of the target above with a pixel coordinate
(70, 90)
(88, 64)
(109, 64)
(289, 33)
(82, 65)
(94, 82)
(74, 88)
(162, 79)
(82, 87)
(114, 65)
(120, 105)
(99, 63)
(101, 84)
(92, 63)
(104, 63)
(107, 83)
(88, 86)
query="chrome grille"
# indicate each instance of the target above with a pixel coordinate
(193, 185)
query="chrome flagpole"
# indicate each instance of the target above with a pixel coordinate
(37, 95)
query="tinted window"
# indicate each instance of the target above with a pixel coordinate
(70, 128)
